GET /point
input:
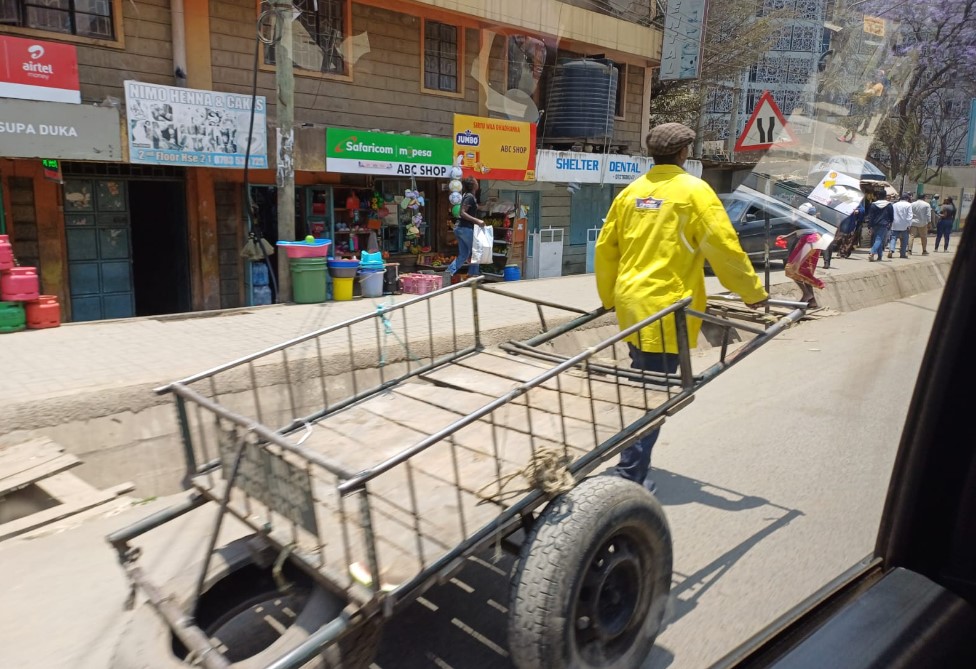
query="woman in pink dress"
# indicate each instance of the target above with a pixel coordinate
(801, 266)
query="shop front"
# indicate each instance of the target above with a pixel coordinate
(394, 188)
(82, 244)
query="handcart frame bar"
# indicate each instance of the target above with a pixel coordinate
(364, 477)
(380, 312)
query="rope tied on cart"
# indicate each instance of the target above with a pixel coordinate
(547, 471)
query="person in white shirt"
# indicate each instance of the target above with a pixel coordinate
(921, 217)
(901, 221)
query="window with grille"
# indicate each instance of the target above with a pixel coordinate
(442, 54)
(318, 37)
(87, 18)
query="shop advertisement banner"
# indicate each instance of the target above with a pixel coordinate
(363, 152)
(59, 131)
(595, 168)
(33, 70)
(493, 148)
(184, 126)
(684, 25)
(589, 168)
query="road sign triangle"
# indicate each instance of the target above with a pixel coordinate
(766, 127)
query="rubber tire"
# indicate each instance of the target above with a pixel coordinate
(146, 642)
(559, 550)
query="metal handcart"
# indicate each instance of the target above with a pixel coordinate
(369, 459)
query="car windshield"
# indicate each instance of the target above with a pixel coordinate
(313, 190)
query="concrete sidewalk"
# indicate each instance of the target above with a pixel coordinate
(111, 355)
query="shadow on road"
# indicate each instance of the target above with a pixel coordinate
(462, 624)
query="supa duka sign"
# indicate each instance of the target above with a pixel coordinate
(32, 70)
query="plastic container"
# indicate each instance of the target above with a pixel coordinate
(308, 280)
(12, 317)
(44, 312)
(343, 269)
(262, 295)
(342, 288)
(314, 249)
(6, 253)
(371, 283)
(19, 284)
(512, 273)
(259, 274)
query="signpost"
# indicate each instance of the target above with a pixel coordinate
(493, 148)
(52, 170)
(765, 128)
(362, 152)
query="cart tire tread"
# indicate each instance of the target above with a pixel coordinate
(558, 551)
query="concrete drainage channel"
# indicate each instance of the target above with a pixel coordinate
(132, 435)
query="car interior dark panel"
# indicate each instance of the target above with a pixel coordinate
(932, 628)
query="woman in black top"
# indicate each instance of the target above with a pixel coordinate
(464, 228)
(947, 216)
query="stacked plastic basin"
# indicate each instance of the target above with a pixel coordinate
(372, 271)
(343, 274)
(21, 304)
(307, 262)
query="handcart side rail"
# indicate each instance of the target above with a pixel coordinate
(535, 300)
(379, 313)
(753, 344)
(264, 433)
(365, 476)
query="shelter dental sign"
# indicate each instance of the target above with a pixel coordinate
(364, 152)
(568, 166)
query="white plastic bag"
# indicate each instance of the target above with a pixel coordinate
(482, 245)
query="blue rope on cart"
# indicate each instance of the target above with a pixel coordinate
(388, 330)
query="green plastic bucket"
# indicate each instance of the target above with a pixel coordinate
(308, 276)
(12, 317)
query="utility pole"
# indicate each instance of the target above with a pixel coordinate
(285, 111)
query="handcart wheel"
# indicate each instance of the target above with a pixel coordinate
(242, 608)
(593, 579)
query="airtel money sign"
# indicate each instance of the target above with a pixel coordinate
(32, 70)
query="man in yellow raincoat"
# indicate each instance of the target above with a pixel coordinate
(651, 253)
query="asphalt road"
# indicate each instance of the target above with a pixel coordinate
(773, 481)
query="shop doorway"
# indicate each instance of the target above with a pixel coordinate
(126, 248)
(160, 268)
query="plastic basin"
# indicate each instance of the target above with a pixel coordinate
(316, 249)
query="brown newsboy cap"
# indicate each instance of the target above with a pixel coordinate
(669, 138)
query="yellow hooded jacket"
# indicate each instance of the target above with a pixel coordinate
(652, 251)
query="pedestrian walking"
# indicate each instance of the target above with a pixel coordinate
(847, 231)
(651, 253)
(862, 108)
(828, 250)
(921, 219)
(901, 220)
(464, 229)
(801, 265)
(878, 217)
(947, 216)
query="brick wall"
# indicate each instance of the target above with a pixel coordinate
(22, 220)
(148, 53)
(229, 242)
(385, 91)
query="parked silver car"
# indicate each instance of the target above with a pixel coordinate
(747, 209)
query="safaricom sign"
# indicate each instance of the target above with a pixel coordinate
(365, 152)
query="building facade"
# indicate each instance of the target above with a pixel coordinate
(141, 222)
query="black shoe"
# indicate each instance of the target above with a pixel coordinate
(650, 486)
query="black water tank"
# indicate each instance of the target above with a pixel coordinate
(582, 100)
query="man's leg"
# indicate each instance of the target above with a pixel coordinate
(903, 247)
(923, 234)
(635, 460)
